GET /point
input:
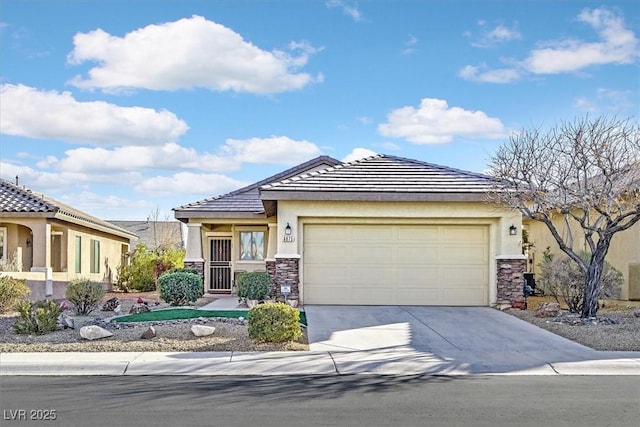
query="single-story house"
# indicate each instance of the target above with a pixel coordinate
(153, 234)
(49, 243)
(624, 252)
(383, 230)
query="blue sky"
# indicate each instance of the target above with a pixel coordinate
(122, 108)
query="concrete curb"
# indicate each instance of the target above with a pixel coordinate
(406, 362)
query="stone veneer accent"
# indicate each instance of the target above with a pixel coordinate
(510, 281)
(284, 271)
(271, 270)
(197, 266)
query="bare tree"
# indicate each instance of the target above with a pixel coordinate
(585, 172)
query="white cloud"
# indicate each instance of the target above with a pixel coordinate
(347, 7)
(434, 122)
(617, 45)
(497, 35)
(169, 157)
(485, 75)
(188, 53)
(410, 45)
(607, 101)
(280, 150)
(189, 183)
(33, 113)
(358, 153)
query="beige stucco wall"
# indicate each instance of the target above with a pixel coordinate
(42, 263)
(299, 213)
(624, 252)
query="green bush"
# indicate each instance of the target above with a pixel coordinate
(180, 288)
(37, 318)
(274, 322)
(146, 266)
(11, 291)
(254, 285)
(84, 295)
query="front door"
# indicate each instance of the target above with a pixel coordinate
(220, 265)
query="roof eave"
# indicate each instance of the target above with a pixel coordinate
(186, 215)
(363, 196)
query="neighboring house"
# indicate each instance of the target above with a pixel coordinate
(49, 243)
(624, 252)
(153, 234)
(383, 230)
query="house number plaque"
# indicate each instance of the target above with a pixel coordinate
(288, 238)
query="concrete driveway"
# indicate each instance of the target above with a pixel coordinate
(439, 340)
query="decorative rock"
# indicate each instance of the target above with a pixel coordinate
(140, 300)
(548, 309)
(636, 312)
(118, 309)
(139, 308)
(111, 304)
(93, 332)
(202, 331)
(65, 321)
(149, 333)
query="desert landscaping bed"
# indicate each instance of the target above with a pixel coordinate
(173, 335)
(617, 329)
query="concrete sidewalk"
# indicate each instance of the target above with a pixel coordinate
(397, 361)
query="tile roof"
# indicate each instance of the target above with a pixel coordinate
(247, 199)
(384, 174)
(153, 233)
(20, 200)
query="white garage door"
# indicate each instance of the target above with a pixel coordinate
(396, 264)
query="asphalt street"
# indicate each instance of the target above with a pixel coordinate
(349, 400)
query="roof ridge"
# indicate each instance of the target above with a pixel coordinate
(55, 206)
(265, 181)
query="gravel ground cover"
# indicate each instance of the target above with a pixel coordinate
(615, 329)
(620, 331)
(173, 335)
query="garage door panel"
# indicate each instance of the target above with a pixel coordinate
(418, 234)
(474, 276)
(464, 255)
(463, 296)
(396, 264)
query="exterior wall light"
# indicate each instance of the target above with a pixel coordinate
(29, 242)
(513, 230)
(287, 230)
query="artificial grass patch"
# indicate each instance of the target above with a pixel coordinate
(188, 313)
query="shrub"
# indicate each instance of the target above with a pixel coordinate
(180, 288)
(254, 285)
(37, 318)
(562, 278)
(84, 295)
(11, 291)
(274, 322)
(146, 266)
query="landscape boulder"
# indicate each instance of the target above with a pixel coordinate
(93, 332)
(139, 308)
(65, 321)
(149, 333)
(548, 309)
(636, 312)
(202, 330)
(111, 304)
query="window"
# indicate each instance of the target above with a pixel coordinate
(78, 254)
(95, 256)
(252, 245)
(3, 244)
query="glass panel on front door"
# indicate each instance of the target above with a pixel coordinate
(220, 265)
